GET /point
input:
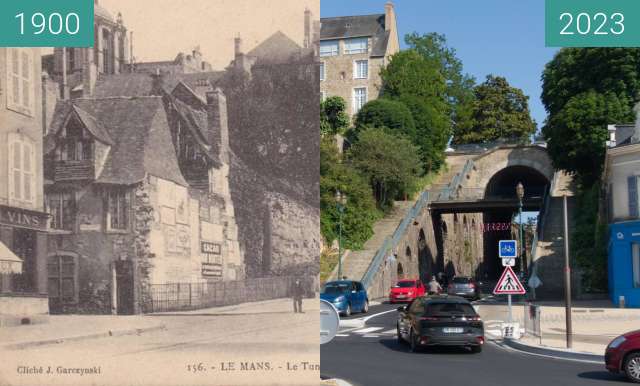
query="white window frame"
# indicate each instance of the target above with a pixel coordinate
(323, 70)
(356, 69)
(635, 264)
(20, 178)
(355, 108)
(357, 42)
(332, 52)
(126, 210)
(23, 78)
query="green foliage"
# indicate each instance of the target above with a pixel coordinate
(333, 118)
(389, 114)
(360, 211)
(577, 133)
(459, 86)
(417, 82)
(584, 90)
(589, 240)
(500, 111)
(390, 164)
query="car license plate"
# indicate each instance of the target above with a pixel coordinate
(453, 330)
(400, 296)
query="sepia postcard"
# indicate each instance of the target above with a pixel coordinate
(159, 198)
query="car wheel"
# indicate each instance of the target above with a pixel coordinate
(413, 342)
(400, 340)
(476, 349)
(347, 312)
(632, 367)
(365, 309)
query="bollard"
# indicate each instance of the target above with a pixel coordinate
(621, 301)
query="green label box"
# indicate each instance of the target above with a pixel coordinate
(592, 23)
(46, 23)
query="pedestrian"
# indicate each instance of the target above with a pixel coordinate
(297, 290)
(434, 286)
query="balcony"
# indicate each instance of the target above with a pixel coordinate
(73, 171)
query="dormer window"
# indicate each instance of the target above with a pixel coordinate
(356, 46)
(75, 144)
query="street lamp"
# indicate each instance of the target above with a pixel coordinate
(341, 202)
(520, 194)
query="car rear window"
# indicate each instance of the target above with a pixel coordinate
(448, 309)
(461, 280)
(406, 284)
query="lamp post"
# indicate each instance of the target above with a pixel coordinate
(520, 194)
(341, 202)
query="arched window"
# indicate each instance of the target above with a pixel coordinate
(400, 271)
(407, 252)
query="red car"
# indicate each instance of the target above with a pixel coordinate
(623, 355)
(406, 290)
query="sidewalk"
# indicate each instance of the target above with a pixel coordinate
(66, 328)
(594, 324)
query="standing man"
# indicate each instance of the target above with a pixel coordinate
(297, 290)
(434, 286)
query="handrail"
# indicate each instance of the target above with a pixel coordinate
(542, 215)
(447, 192)
(392, 242)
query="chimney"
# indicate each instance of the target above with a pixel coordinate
(218, 130)
(237, 46)
(389, 17)
(89, 74)
(307, 28)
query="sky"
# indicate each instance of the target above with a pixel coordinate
(163, 28)
(499, 37)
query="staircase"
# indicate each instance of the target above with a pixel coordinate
(549, 256)
(355, 264)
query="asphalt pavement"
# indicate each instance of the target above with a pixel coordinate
(371, 355)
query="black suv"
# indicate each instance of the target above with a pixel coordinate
(440, 321)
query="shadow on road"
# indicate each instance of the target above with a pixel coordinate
(394, 345)
(602, 376)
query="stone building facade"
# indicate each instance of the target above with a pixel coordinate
(353, 50)
(23, 221)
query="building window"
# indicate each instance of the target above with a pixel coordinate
(356, 46)
(359, 98)
(75, 145)
(22, 169)
(329, 48)
(117, 209)
(62, 280)
(61, 207)
(635, 251)
(632, 185)
(322, 71)
(361, 69)
(20, 90)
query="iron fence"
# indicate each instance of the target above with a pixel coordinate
(192, 296)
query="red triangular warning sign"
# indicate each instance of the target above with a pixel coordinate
(509, 284)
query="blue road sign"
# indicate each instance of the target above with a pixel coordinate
(508, 248)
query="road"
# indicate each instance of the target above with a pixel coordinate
(233, 350)
(371, 356)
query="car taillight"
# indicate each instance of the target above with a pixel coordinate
(472, 285)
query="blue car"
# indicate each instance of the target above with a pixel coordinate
(347, 296)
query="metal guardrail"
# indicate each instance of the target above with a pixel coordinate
(392, 242)
(539, 228)
(447, 193)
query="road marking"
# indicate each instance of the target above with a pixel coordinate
(389, 332)
(378, 314)
(342, 334)
(507, 348)
(367, 330)
(371, 336)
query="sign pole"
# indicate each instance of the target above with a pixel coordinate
(510, 314)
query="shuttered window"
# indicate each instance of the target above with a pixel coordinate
(20, 74)
(22, 166)
(632, 183)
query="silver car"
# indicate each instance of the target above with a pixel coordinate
(464, 286)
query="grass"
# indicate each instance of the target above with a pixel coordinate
(328, 261)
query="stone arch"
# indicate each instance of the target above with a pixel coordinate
(400, 271)
(407, 253)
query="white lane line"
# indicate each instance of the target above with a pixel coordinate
(342, 334)
(389, 332)
(507, 348)
(367, 330)
(371, 336)
(378, 314)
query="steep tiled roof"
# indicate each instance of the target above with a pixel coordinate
(624, 134)
(141, 137)
(124, 85)
(276, 49)
(93, 126)
(357, 26)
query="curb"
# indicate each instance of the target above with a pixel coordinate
(334, 381)
(133, 331)
(555, 353)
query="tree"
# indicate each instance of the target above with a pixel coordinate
(360, 211)
(459, 86)
(578, 132)
(584, 90)
(333, 118)
(415, 81)
(391, 164)
(499, 112)
(386, 113)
